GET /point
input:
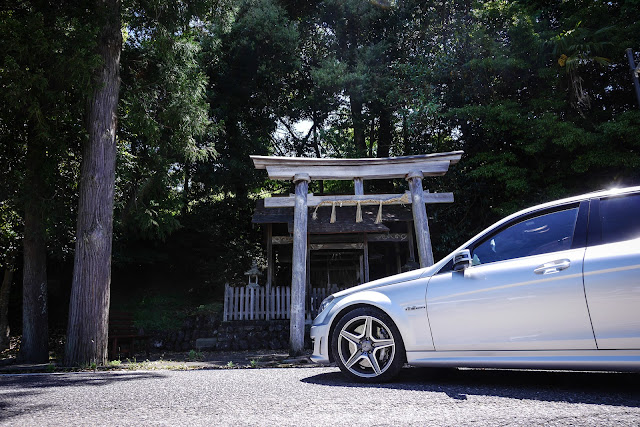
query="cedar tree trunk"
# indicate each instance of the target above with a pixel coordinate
(385, 133)
(87, 332)
(5, 290)
(357, 118)
(34, 347)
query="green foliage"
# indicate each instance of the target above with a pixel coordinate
(218, 243)
(209, 309)
(251, 65)
(164, 129)
(10, 234)
(45, 74)
(164, 312)
(195, 356)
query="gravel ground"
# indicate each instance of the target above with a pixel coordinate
(319, 396)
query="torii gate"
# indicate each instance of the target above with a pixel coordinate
(302, 170)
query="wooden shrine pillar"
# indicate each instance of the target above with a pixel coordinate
(299, 268)
(358, 190)
(420, 220)
(412, 252)
(269, 283)
(358, 186)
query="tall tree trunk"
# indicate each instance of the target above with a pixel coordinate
(87, 332)
(5, 290)
(385, 133)
(185, 187)
(34, 347)
(358, 124)
(405, 135)
(372, 135)
(316, 146)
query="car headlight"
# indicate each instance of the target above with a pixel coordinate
(325, 303)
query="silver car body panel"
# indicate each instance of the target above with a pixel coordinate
(481, 317)
(587, 360)
(404, 302)
(484, 308)
(612, 286)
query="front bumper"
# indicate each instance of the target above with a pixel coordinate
(320, 337)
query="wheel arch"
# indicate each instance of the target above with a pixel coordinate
(349, 307)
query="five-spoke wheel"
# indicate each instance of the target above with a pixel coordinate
(367, 345)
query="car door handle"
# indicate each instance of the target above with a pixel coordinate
(553, 267)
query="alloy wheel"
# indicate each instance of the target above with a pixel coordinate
(366, 346)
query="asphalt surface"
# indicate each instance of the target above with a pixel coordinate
(319, 397)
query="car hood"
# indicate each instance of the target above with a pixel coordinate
(385, 281)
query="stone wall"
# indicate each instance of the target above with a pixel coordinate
(208, 332)
(253, 335)
(184, 339)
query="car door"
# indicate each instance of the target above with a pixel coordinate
(524, 290)
(612, 271)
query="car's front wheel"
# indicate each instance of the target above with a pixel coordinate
(367, 346)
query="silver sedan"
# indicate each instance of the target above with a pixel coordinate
(553, 286)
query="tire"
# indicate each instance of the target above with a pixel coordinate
(367, 346)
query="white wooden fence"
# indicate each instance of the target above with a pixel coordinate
(247, 303)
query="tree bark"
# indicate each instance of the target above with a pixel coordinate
(405, 135)
(185, 188)
(5, 290)
(385, 133)
(358, 124)
(34, 347)
(87, 332)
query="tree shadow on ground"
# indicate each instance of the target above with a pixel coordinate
(604, 388)
(14, 387)
(72, 379)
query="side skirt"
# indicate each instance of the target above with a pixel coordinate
(587, 360)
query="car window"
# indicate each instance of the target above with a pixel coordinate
(620, 217)
(538, 235)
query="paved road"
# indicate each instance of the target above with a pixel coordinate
(319, 396)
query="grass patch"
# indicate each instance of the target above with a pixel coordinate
(195, 356)
(209, 309)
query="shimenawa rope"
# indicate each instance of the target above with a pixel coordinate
(404, 199)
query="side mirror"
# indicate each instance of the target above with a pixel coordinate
(462, 260)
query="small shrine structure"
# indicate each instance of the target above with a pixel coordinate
(301, 171)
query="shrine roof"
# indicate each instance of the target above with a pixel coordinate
(285, 168)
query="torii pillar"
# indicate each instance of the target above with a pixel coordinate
(299, 268)
(420, 220)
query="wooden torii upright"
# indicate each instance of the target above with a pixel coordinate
(302, 170)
